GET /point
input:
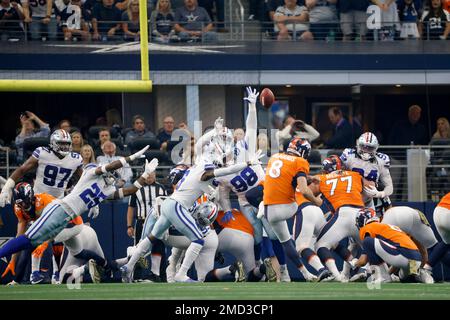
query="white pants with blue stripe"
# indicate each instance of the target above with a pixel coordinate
(51, 222)
(173, 213)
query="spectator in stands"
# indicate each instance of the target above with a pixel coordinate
(435, 22)
(162, 20)
(103, 136)
(446, 5)
(139, 130)
(106, 21)
(77, 141)
(87, 154)
(411, 131)
(353, 18)
(32, 126)
(238, 134)
(40, 23)
(114, 122)
(165, 133)
(389, 18)
(322, 18)
(10, 21)
(443, 129)
(73, 24)
(65, 125)
(342, 131)
(408, 12)
(220, 11)
(290, 22)
(194, 23)
(295, 128)
(109, 155)
(130, 20)
(123, 5)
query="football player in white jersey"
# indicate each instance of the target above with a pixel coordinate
(95, 185)
(55, 166)
(371, 165)
(175, 209)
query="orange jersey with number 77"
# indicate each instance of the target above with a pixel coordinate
(342, 188)
(281, 178)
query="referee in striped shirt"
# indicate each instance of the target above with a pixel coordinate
(139, 206)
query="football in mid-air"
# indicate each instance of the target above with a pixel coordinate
(267, 98)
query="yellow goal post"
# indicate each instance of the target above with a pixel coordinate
(144, 85)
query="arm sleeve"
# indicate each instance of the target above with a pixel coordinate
(313, 134)
(385, 177)
(224, 198)
(251, 126)
(284, 135)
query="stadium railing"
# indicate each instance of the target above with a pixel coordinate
(419, 173)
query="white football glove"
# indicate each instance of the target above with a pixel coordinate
(138, 154)
(260, 214)
(149, 167)
(252, 95)
(255, 159)
(6, 194)
(372, 192)
(213, 194)
(94, 212)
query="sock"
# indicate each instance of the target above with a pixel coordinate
(192, 253)
(279, 252)
(289, 249)
(15, 245)
(143, 247)
(35, 263)
(257, 250)
(313, 260)
(343, 252)
(156, 263)
(326, 257)
(174, 257)
(266, 249)
(346, 268)
(55, 264)
(122, 261)
(437, 252)
(88, 254)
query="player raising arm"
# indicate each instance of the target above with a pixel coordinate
(95, 185)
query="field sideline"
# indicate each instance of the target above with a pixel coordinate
(230, 291)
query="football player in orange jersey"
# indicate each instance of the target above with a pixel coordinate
(387, 243)
(441, 218)
(285, 172)
(28, 208)
(343, 191)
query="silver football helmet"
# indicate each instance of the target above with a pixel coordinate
(61, 142)
(367, 146)
(206, 213)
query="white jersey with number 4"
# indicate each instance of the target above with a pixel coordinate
(54, 173)
(191, 187)
(90, 190)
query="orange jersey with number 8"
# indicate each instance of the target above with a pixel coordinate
(387, 232)
(342, 188)
(281, 178)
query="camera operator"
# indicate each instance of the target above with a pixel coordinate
(296, 128)
(32, 126)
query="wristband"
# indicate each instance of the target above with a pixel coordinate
(103, 167)
(137, 184)
(123, 161)
(120, 191)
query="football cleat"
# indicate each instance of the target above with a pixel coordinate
(240, 272)
(325, 275)
(309, 277)
(284, 275)
(183, 278)
(36, 277)
(95, 271)
(360, 277)
(55, 278)
(425, 275)
(127, 274)
(78, 273)
(270, 271)
(142, 263)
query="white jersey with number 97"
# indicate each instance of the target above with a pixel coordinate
(54, 173)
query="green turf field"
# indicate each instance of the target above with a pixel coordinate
(203, 291)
